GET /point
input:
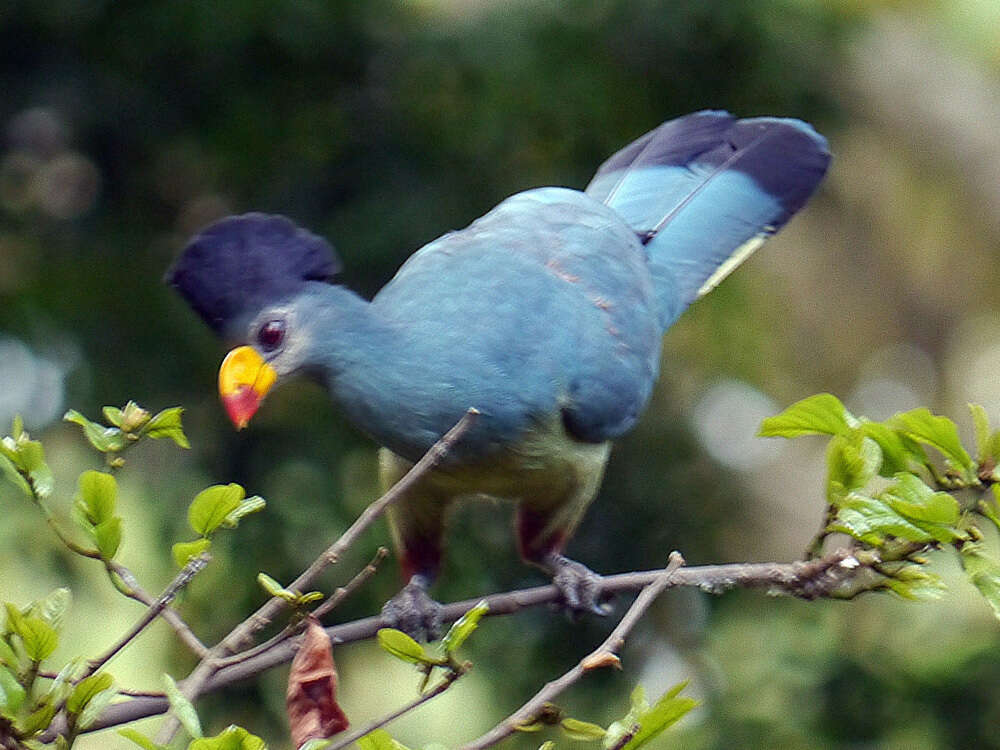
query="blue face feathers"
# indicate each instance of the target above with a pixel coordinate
(241, 263)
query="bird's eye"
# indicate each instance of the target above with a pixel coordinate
(271, 334)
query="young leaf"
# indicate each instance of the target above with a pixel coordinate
(463, 627)
(184, 551)
(939, 432)
(402, 646)
(582, 730)
(8, 657)
(245, 508)
(984, 573)
(896, 451)
(852, 461)
(38, 719)
(167, 424)
(134, 417)
(211, 506)
(182, 708)
(911, 498)
(104, 439)
(9, 470)
(54, 606)
(274, 588)
(822, 414)
(108, 536)
(311, 697)
(140, 739)
(98, 492)
(668, 710)
(39, 638)
(982, 424)
(230, 738)
(870, 520)
(86, 689)
(379, 740)
(33, 461)
(11, 693)
(113, 415)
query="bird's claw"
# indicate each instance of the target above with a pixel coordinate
(579, 586)
(413, 611)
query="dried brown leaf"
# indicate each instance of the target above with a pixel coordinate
(311, 699)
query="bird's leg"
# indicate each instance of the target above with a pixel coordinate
(417, 524)
(542, 545)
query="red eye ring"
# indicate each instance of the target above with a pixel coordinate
(271, 334)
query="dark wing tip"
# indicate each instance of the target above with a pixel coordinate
(241, 263)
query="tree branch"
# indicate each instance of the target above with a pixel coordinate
(603, 656)
(811, 579)
(193, 686)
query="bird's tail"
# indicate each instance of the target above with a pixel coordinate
(706, 190)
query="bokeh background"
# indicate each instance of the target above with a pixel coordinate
(126, 126)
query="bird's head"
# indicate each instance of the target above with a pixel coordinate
(244, 276)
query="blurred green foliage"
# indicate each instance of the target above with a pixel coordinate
(128, 125)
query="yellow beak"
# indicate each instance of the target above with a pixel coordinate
(244, 380)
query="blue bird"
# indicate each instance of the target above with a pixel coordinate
(546, 315)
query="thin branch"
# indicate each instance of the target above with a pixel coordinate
(137, 593)
(193, 685)
(603, 656)
(331, 603)
(194, 566)
(804, 579)
(446, 682)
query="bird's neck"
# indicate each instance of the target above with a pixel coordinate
(361, 357)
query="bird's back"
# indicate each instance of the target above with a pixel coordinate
(543, 306)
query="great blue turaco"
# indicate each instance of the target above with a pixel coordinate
(545, 315)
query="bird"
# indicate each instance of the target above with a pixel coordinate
(545, 315)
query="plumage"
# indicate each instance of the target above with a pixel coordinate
(546, 315)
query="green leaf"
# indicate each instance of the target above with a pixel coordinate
(990, 507)
(17, 427)
(233, 738)
(379, 740)
(95, 707)
(9, 470)
(582, 730)
(939, 432)
(8, 657)
(910, 582)
(54, 606)
(108, 536)
(11, 693)
(822, 414)
(113, 415)
(98, 493)
(211, 506)
(15, 620)
(870, 521)
(547, 745)
(140, 739)
(86, 689)
(910, 497)
(38, 719)
(104, 439)
(463, 627)
(40, 639)
(167, 424)
(896, 451)
(853, 460)
(182, 707)
(245, 508)
(316, 743)
(984, 573)
(402, 646)
(32, 456)
(668, 710)
(184, 551)
(274, 588)
(982, 424)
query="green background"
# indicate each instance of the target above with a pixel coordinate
(129, 125)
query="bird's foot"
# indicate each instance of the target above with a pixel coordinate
(579, 585)
(413, 611)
